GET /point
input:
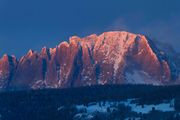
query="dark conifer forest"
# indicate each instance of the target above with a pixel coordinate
(43, 104)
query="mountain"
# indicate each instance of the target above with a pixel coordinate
(111, 58)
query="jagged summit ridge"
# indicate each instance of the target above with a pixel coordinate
(116, 57)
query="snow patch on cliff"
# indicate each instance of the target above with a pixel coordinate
(0, 73)
(140, 77)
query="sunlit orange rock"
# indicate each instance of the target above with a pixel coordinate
(110, 58)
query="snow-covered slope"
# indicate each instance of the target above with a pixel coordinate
(117, 57)
(127, 109)
(146, 108)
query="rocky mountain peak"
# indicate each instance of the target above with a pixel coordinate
(115, 57)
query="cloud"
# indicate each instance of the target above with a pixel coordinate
(164, 31)
(118, 25)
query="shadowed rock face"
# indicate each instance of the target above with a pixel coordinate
(8, 66)
(110, 58)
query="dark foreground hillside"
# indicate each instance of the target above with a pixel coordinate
(59, 104)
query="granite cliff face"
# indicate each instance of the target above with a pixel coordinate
(110, 58)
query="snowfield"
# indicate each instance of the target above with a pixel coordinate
(164, 107)
(102, 107)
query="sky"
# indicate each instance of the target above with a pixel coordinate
(33, 24)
